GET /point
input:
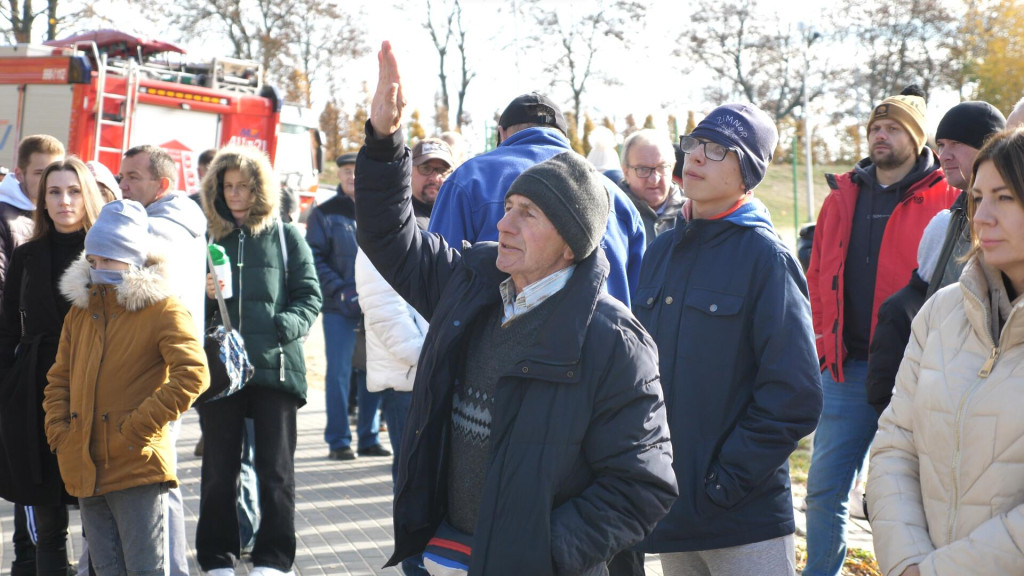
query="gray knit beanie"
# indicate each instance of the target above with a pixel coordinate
(121, 232)
(571, 194)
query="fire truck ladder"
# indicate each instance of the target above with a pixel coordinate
(128, 101)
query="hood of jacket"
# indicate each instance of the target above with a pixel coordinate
(752, 213)
(141, 286)
(864, 172)
(11, 193)
(180, 210)
(266, 192)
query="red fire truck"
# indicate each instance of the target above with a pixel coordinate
(103, 92)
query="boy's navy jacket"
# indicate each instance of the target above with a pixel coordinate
(580, 463)
(727, 304)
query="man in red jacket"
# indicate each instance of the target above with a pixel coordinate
(865, 248)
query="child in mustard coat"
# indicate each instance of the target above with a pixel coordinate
(129, 362)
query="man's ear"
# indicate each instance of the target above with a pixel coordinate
(165, 185)
(568, 254)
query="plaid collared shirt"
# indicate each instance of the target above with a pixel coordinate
(532, 295)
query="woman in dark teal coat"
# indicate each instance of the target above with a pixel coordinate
(275, 299)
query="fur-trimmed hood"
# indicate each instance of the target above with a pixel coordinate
(266, 191)
(141, 287)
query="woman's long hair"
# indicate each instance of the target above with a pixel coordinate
(1005, 150)
(90, 194)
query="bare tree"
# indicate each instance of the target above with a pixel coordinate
(755, 56)
(466, 75)
(441, 45)
(896, 44)
(443, 31)
(571, 42)
(303, 35)
(22, 16)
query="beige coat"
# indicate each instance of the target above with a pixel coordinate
(946, 488)
(129, 363)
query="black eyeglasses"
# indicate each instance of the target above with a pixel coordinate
(646, 171)
(428, 170)
(712, 150)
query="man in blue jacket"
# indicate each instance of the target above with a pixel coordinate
(331, 235)
(727, 304)
(531, 130)
(536, 442)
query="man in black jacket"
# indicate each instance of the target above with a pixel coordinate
(537, 441)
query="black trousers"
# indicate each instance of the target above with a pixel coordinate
(24, 550)
(48, 556)
(273, 413)
(51, 525)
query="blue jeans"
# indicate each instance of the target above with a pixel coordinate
(395, 406)
(841, 443)
(339, 341)
(127, 530)
(368, 419)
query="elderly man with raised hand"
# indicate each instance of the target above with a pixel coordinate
(537, 441)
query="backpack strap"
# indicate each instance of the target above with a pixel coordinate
(284, 250)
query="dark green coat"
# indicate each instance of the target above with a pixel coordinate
(272, 317)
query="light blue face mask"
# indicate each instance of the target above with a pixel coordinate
(114, 277)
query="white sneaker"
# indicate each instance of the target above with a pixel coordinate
(220, 572)
(858, 503)
(268, 571)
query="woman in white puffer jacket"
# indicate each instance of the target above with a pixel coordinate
(946, 487)
(394, 336)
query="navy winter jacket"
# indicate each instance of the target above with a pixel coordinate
(727, 304)
(331, 235)
(580, 464)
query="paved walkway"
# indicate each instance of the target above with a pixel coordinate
(343, 509)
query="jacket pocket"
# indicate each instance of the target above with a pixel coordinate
(704, 505)
(712, 303)
(711, 329)
(120, 438)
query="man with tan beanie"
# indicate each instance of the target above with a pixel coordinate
(865, 249)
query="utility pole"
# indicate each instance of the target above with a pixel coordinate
(811, 37)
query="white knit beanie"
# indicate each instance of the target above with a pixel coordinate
(931, 245)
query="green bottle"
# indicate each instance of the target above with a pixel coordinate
(222, 268)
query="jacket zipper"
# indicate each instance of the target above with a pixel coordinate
(241, 276)
(986, 369)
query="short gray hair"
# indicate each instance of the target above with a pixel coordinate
(649, 137)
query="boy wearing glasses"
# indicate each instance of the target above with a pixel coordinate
(727, 304)
(647, 160)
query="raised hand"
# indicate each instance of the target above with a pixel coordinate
(388, 101)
